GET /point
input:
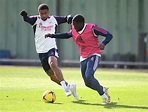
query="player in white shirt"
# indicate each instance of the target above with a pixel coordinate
(46, 47)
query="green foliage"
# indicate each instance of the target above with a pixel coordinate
(21, 90)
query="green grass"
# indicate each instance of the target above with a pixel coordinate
(21, 89)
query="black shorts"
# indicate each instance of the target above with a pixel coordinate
(44, 58)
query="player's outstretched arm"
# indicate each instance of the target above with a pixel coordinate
(59, 35)
(64, 19)
(30, 20)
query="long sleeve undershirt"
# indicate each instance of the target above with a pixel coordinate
(96, 31)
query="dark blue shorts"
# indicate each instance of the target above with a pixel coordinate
(44, 58)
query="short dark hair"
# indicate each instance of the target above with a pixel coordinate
(43, 7)
(78, 18)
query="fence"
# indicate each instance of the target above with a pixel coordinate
(75, 63)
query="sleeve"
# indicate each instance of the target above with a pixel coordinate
(61, 19)
(100, 31)
(62, 35)
(64, 19)
(30, 19)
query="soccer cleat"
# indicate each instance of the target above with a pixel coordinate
(72, 88)
(68, 93)
(107, 99)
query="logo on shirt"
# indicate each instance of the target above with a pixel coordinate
(45, 28)
(80, 39)
(40, 24)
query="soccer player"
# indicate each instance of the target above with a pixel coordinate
(85, 36)
(46, 47)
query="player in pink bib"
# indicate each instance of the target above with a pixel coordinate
(85, 37)
(86, 41)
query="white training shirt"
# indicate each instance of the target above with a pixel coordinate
(43, 44)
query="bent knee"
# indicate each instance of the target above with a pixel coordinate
(53, 65)
(89, 77)
(87, 84)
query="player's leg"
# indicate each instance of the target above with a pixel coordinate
(88, 80)
(72, 87)
(50, 73)
(44, 57)
(93, 83)
(83, 66)
(44, 61)
(52, 61)
(68, 88)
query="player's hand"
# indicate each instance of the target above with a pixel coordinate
(102, 46)
(48, 35)
(23, 13)
(69, 19)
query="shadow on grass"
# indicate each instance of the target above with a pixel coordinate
(111, 105)
(56, 103)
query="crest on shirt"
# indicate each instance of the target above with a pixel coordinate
(40, 24)
(80, 39)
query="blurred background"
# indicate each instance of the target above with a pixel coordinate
(126, 20)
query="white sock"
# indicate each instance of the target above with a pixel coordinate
(104, 96)
(69, 86)
(63, 83)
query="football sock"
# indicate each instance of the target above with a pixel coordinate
(104, 96)
(64, 85)
(69, 86)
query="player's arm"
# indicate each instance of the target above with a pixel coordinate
(100, 31)
(59, 35)
(64, 19)
(30, 20)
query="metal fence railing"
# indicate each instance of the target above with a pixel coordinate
(75, 63)
(111, 64)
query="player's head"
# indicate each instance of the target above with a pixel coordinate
(78, 22)
(43, 11)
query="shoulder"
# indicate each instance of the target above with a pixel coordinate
(34, 16)
(96, 28)
(60, 18)
(52, 19)
(90, 25)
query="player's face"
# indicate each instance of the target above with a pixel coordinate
(78, 26)
(44, 14)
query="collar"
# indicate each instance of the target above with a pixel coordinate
(80, 32)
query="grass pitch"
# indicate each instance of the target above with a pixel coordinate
(21, 89)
